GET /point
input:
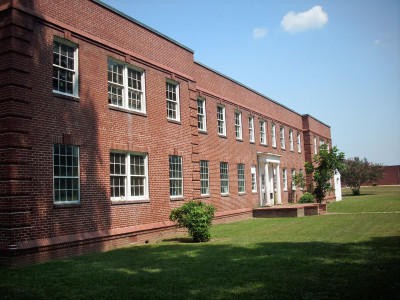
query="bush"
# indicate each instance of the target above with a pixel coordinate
(307, 198)
(196, 216)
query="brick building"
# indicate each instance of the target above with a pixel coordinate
(390, 176)
(106, 125)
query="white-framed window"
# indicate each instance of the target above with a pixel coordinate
(126, 86)
(301, 172)
(282, 137)
(293, 175)
(321, 142)
(128, 176)
(284, 179)
(204, 178)
(298, 142)
(65, 67)
(273, 135)
(315, 145)
(172, 96)
(251, 129)
(253, 179)
(241, 179)
(66, 180)
(291, 142)
(224, 177)
(238, 125)
(221, 120)
(263, 133)
(175, 177)
(201, 115)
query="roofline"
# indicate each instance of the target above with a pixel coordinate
(310, 116)
(129, 18)
(248, 88)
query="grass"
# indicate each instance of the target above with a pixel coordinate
(338, 256)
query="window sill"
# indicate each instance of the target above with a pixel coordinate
(222, 136)
(129, 111)
(203, 131)
(252, 142)
(225, 195)
(264, 145)
(177, 198)
(125, 202)
(66, 96)
(205, 196)
(242, 193)
(67, 205)
(178, 122)
(254, 192)
(239, 140)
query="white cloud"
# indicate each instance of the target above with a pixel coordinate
(259, 33)
(313, 18)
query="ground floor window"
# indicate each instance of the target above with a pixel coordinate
(204, 178)
(241, 178)
(128, 176)
(253, 179)
(66, 174)
(175, 176)
(224, 178)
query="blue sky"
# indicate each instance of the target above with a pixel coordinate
(337, 60)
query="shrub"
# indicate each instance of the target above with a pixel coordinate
(307, 198)
(196, 216)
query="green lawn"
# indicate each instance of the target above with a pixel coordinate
(336, 256)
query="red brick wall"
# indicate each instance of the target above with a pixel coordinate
(391, 175)
(33, 118)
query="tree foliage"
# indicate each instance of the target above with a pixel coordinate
(323, 168)
(299, 180)
(359, 171)
(196, 216)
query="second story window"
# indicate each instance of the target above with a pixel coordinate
(291, 142)
(172, 95)
(221, 120)
(238, 125)
(65, 68)
(251, 129)
(282, 137)
(201, 115)
(315, 145)
(126, 86)
(273, 135)
(299, 142)
(263, 135)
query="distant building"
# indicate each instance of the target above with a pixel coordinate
(106, 125)
(391, 176)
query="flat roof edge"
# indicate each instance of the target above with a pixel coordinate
(248, 88)
(129, 18)
(308, 115)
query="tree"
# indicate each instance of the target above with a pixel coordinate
(196, 216)
(323, 168)
(359, 171)
(299, 180)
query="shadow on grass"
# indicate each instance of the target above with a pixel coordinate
(316, 270)
(183, 240)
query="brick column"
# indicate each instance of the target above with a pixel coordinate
(16, 31)
(194, 141)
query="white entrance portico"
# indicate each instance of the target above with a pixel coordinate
(270, 184)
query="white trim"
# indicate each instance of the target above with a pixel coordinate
(251, 129)
(127, 176)
(273, 135)
(125, 86)
(177, 101)
(238, 126)
(203, 101)
(223, 120)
